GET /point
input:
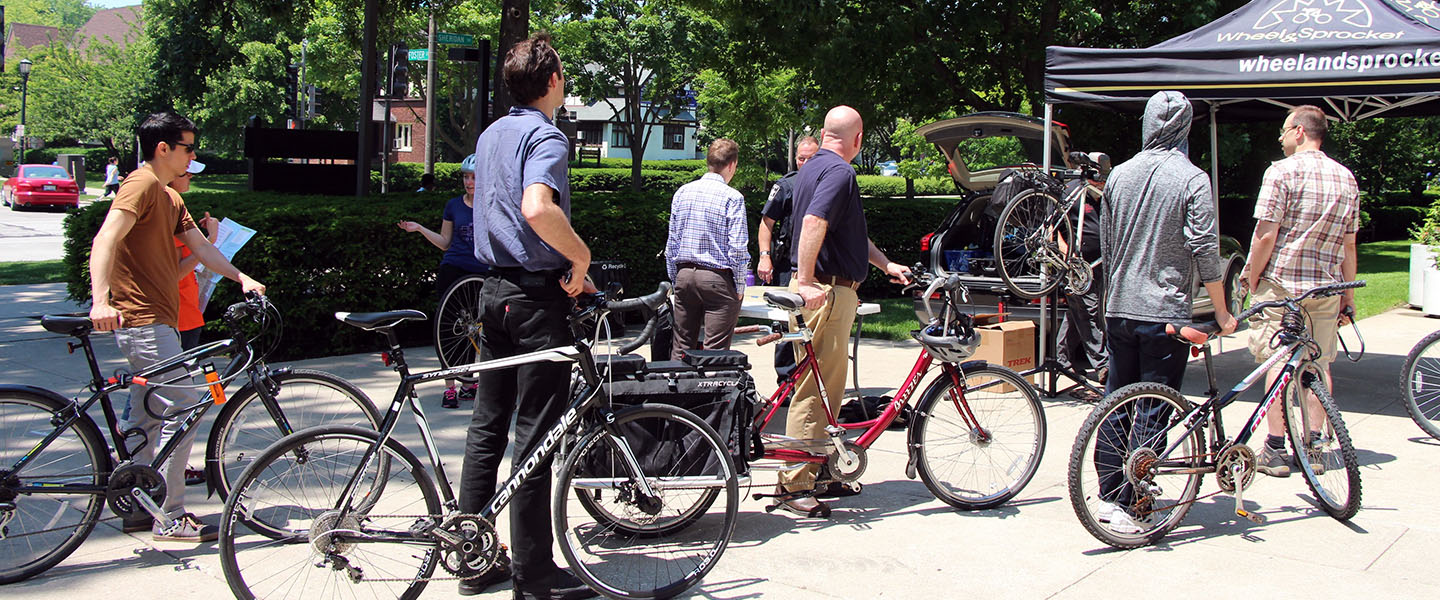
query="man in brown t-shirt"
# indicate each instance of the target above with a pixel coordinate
(133, 268)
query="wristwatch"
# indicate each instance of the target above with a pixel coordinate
(764, 253)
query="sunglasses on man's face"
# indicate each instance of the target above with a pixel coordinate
(191, 148)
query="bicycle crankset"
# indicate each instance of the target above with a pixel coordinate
(1078, 275)
(469, 546)
(131, 487)
(1240, 456)
(849, 467)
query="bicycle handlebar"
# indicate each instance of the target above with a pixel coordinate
(1201, 333)
(652, 301)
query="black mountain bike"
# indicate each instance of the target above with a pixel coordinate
(1420, 384)
(350, 511)
(1138, 461)
(1036, 246)
(57, 473)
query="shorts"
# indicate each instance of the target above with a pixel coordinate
(1323, 322)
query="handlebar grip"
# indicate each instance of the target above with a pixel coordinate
(747, 329)
(651, 301)
(769, 338)
(1196, 334)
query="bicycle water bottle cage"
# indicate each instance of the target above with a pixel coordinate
(134, 432)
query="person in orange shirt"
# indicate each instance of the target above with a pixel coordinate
(192, 318)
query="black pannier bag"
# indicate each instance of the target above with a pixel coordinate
(715, 385)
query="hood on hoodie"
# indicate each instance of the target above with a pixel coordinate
(1166, 125)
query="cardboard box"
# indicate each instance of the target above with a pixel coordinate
(1010, 344)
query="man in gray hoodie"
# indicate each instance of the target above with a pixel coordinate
(1157, 220)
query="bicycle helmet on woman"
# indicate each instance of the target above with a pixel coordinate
(468, 165)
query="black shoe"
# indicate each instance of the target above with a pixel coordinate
(560, 586)
(500, 572)
(836, 489)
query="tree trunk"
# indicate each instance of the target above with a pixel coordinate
(514, 28)
(909, 188)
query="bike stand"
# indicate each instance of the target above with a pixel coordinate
(1047, 366)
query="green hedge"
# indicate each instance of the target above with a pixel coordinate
(879, 186)
(96, 157)
(405, 178)
(614, 180)
(321, 254)
(1391, 222)
(648, 165)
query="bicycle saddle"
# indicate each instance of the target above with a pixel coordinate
(66, 324)
(785, 300)
(379, 320)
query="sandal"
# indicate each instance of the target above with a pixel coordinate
(1085, 395)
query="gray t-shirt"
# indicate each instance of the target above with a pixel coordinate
(515, 152)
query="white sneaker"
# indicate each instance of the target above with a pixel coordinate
(1106, 510)
(1123, 522)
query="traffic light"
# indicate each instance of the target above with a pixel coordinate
(292, 90)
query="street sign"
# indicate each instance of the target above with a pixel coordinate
(419, 54)
(458, 39)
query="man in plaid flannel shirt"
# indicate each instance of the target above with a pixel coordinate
(707, 254)
(1308, 211)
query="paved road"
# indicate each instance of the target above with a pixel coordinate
(33, 234)
(895, 540)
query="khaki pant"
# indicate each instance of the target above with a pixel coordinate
(705, 299)
(831, 325)
(1324, 322)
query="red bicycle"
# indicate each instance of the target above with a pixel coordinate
(975, 437)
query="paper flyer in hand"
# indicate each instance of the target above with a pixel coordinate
(230, 239)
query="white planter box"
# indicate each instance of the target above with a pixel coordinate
(1431, 306)
(1420, 258)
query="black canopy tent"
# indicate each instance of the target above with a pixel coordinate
(1353, 58)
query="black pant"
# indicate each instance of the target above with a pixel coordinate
(784, 353)
(520, 314)
(1081, 340)
(1139, 351)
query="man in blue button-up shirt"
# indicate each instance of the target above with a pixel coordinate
(706, 254)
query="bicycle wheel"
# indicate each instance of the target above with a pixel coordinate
(1420, 384)
(296, 484)
(457, 322)
(1322, 445)
(978, 445)
(41, 529)
(1123, 492)
(639, 547)
(1022, 239)
(245, 428)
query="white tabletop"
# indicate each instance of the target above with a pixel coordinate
(753, 305)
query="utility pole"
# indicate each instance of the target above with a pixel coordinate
(304, 106)
(367, 99)
(514, 28)
(430, 99)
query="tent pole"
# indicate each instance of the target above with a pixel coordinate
(1044, 340)
(1215, 158)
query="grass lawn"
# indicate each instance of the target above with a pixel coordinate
(1385, 266)
(219, 183)
(45, 271)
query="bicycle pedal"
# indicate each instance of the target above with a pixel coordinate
(1255, 518)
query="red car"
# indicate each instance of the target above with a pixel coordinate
(40, 185)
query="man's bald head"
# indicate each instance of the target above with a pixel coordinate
(843, 132)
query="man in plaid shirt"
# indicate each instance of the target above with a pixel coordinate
(1308, 211)
(706, 254)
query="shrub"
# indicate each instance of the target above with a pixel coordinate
(890, 187)
(648, 165)
(405, 178)
(605, 179)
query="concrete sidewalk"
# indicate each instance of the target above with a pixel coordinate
(895, 540)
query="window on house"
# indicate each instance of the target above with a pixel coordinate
(618, 137)
(589, 133)
(402, 136)
(674, 137)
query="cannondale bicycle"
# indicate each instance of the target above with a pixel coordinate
(1137, 464)
(353, 512)
(57, 472)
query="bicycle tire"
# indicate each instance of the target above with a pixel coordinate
(1016, 235)
(1327, 462)
(1420, 384)
(264, 489)
(1021, 431)
(244, 428)
(457, 322)
(594, 547)
(684, 518)
(79, 455)
(1083, 475)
